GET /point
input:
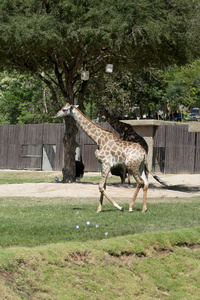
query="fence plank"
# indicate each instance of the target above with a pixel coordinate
(33, 134)
(89, 159)
(179, 150)
(197, 154)
(158, 164)
(31, 157)
(16, 134)
(53, 135)
(14, 156)
(159, 136)
(4, 131)
(15, 139)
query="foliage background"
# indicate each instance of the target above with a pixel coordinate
(53, 41)
(25, 99)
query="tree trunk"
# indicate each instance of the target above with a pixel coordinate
(70, 144)
(69, 140)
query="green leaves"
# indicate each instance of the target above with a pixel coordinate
(182, 85)
(61, 38)
(22, 99)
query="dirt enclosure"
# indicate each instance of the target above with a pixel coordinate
(179, 186)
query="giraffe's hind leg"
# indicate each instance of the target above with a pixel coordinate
(104, 175)
(145, 189)
(139, 184)
(141, 180)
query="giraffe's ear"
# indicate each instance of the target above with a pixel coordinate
(76, 106)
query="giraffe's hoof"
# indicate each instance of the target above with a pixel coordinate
(145, 210)
(121, 209)
(131, 210)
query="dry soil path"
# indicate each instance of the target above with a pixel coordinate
(181, 185)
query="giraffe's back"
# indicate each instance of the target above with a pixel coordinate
(117, 151)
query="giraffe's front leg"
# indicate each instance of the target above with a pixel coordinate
(101, 200)
(99, 209)
(104, 175)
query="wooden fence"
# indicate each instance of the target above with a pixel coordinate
(176, 150)
(26, 146)
(40, 147)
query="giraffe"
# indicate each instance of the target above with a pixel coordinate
(113, 151)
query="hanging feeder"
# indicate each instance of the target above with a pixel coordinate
(85, 75)
(109, 68)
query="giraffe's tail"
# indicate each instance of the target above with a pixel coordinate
(155, 176)
(158, 179)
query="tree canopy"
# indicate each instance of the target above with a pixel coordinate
(56, 39)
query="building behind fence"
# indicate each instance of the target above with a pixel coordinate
(40, 147)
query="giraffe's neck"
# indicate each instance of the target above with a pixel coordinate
(92, 130)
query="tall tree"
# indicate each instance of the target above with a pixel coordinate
(57, 39)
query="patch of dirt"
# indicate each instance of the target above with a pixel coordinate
(81, 258)
(179, 186)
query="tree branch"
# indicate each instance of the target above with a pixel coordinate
(58, 76)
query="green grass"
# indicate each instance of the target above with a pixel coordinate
(161, 265)
(26, 176)
(41, 176)
(36, 221)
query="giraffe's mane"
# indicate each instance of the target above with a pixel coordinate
(96, 124)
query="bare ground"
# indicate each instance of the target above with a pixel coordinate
(179, 186)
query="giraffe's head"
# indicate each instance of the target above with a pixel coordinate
(67, 110)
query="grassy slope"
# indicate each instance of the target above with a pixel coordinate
(99, 263)
(155, 265)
